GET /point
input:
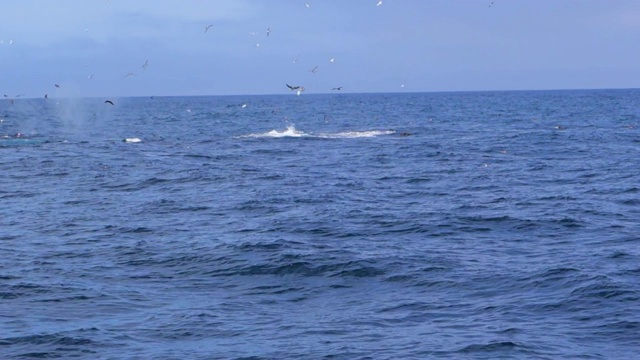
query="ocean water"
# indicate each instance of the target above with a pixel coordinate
(477, 225)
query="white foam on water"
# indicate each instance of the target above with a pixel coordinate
(291, 131)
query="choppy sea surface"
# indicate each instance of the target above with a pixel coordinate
(477, 225)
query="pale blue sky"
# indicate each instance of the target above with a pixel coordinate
(425, 45)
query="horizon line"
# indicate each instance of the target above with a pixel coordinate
(25, 97)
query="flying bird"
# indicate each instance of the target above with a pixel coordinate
(268, 31)
(379, 3)
(108, 102)
(206, 28)
(56, 85)
(314, 70)
(146, 63)
(307, 5)
(129, 74)
(337, 88)
(90, 77)
(297, 87)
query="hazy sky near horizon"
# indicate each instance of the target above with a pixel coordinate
(89, 46)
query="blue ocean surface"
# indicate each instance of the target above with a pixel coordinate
(477, 225)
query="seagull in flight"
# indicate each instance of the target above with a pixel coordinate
(268, 31)
(108, 102)
(56, 85)
(314, 70)
(337, 88)
(146, 63)
(206, 28)
(129, 74)
(379, 3)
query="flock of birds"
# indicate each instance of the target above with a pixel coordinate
(12, 99)
(298, 89)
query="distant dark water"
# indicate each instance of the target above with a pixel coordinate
(383, 226)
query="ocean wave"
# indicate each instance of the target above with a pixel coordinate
(498, 348)
(72, 344)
